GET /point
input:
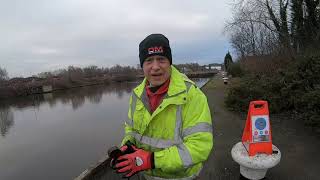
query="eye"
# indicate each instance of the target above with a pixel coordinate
(162, 59)
(148, 60)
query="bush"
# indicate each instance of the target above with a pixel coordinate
(235, 69)
(295, 87)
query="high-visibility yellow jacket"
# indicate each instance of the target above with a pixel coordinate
(179, 131)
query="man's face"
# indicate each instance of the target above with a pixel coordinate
(157, 69)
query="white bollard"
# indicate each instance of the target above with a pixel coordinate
(254, 167)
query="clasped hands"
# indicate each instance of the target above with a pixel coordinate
(131, 163)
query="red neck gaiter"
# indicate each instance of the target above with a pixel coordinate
(156, 97)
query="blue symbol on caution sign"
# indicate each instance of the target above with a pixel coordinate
(260, 123)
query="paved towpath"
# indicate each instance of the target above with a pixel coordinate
(299, 146)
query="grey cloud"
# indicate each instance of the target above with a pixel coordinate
(42, 35)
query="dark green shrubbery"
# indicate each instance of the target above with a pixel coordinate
(235, 70)
(294, 87)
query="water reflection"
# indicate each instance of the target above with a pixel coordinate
(91, 93)
(95, 98)
(6, 120)
(200, 81)
(76, 96)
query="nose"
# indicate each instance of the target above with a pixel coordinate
(155, 65)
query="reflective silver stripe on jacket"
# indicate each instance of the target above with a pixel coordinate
(200, 127)
(184, 155)
(178, 128)
(182, 150)
(133, 108)
(153, 142)
(145, 100)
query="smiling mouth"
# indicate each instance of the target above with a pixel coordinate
(156, 75)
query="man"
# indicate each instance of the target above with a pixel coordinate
(169, 120)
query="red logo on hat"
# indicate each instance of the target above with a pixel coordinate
(153, 50)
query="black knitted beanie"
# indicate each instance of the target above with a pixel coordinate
(154, 44)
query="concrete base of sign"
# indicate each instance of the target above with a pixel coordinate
(254, 167)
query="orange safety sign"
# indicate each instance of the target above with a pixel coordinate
(256, 136)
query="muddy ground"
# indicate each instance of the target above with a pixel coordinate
(299, 146)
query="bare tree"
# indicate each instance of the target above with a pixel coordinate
(260, 27)
(75, 73)
(6, 120)
(305, 26)
(3, 74)
(274, 26)
(45, 75)
(91, 71)
(251, 30)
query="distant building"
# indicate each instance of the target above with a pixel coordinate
(24, 80)
(214, 67)
(185, 70)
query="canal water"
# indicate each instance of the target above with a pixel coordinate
(58, 135)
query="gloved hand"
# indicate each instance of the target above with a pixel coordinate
(139, 160)
(117, 154)
(114, 152)
(123, 148)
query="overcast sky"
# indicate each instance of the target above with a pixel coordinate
(46, 35)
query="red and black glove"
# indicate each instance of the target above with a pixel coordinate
(139, 160)
(115, 152)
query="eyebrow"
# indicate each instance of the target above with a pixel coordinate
(156, 58)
